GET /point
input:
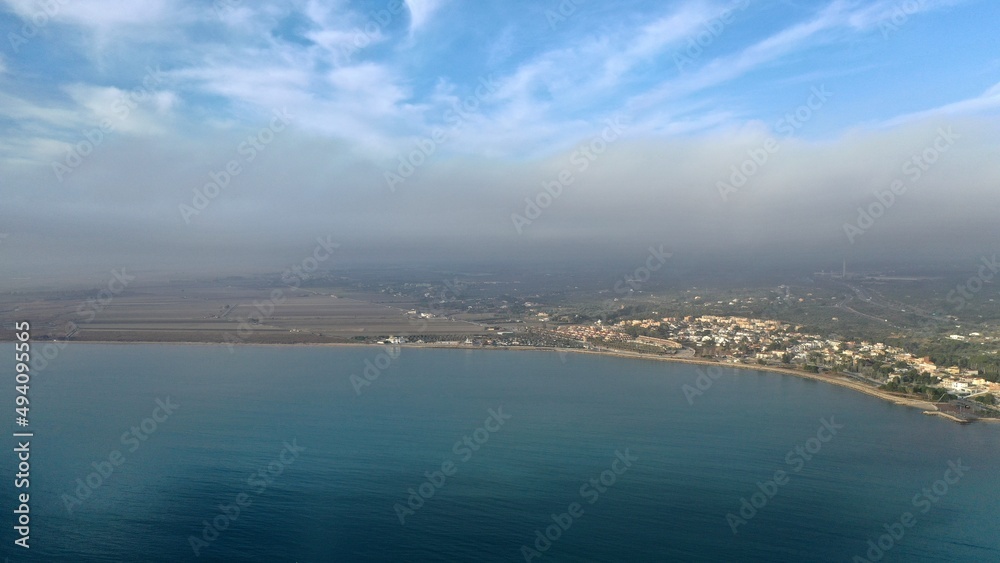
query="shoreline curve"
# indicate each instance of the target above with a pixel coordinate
(841, 381)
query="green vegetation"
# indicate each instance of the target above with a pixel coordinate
(965, 355)
(985, 399)
(920, 384)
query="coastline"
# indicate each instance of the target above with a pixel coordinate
(841, 381)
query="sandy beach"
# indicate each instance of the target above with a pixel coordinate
(840, 380)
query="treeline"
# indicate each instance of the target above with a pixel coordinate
(929, 392)
(965, 355)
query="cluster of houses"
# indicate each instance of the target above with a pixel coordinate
(597, 331)
(774, 342)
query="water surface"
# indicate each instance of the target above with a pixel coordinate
(354, 457)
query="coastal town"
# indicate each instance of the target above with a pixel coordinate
(859, 333)
(742, 340)
(765, 343)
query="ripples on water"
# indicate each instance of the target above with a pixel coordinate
(335, 500)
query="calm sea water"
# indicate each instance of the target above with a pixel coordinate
(336, 464)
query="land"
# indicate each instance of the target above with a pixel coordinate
(900, 338)
(233, 311)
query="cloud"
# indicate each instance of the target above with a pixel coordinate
(655, 37)
(638, 192)
(421, 12)
(891, 12)
(727, 68)
(134, 112)
(987, 102)
(101, 14)
(358, 101)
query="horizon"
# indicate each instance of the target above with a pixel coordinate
(226, 138)
(482, 281)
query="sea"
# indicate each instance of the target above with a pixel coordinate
(204, 453)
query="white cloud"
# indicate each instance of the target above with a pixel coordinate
(371, 88)
(99, 13)
(652, 39)
(266, 82)
(522, 119)
(892, 13)
(987, 101)
(341, 32)
(421, 12)
(729, 67)
(136, 111)
(33, 114)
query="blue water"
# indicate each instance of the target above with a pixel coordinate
(331, 496)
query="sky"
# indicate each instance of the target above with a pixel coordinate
(227, 135)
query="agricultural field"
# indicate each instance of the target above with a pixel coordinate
(221, 312)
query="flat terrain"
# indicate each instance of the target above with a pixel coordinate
(219, 312)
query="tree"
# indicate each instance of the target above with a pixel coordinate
(986, 399)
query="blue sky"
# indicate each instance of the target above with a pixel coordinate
(366, 80)
(675, 68)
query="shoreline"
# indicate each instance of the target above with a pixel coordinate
(841, 381)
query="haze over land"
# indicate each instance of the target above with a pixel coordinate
(820, 104)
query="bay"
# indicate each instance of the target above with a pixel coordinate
(339, 460)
